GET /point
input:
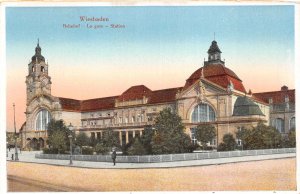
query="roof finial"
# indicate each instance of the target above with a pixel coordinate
(214, 36)
(202, 74)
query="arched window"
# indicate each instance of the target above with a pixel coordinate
(279, 125)
(203, 113)
(42, 119)
(292, 123)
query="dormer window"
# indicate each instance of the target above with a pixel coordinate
(270, 100)
(286, 98)
(42, 69)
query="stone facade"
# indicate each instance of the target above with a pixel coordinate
(209, 96)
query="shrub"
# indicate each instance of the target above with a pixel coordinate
(292, 138)
(82, 139)
(136, 148)
(100, 148)
(50, 151)
(228, 143)
(205, 134)
(260, 137)
(87, 150)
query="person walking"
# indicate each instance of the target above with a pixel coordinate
(114, 156)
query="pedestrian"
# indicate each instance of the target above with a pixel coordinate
(114, 156)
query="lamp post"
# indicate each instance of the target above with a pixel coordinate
(70, 138)
(16, 149)
(6, 149)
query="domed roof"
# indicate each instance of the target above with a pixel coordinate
(244, 106)
(218, 74)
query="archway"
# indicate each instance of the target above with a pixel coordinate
(41, 143)
(34, 144)
(28, 142)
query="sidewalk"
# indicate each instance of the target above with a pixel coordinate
(27, 156)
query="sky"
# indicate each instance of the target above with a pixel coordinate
(157, 46)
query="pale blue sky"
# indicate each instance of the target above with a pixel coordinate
(152, 31)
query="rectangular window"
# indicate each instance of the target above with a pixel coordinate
(213, 142)
(98, 135)
(93, 135)
(142, 117)
(239, 142)
(130, 136)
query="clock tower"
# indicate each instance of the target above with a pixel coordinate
(38, 81)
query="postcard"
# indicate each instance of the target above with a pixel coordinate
(150, 97)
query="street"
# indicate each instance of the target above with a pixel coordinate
(277, 174)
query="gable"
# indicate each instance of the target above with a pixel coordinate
(204, 87)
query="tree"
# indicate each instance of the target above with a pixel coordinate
(57, 141)
(205, 134)
(242, 134)
(58, 129)
(169, 136)
(110, 139)
(100, 148)
(57, 125)
(82, 139)
(146, 139)
(228, 143)
(136, 148)
(260, 137)
(292, 137)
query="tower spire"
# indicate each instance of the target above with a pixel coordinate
(214, 54)
(38, 52)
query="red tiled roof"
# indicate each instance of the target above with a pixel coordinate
(278, 97)
(217, 74)
(98, 104)
(135, 92)
(161, 96)
(158, 96)
(69, 104)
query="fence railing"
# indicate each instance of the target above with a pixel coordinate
(167, 157)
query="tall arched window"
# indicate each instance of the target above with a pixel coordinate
(203, 113)
(279, 125)
(42, 119)
(292, 123)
